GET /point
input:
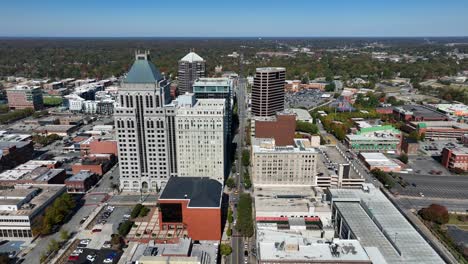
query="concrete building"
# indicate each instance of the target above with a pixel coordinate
(456, 158)
(33, 172)
(145, 128)
(96, 163)
(301, 114)
(216, 88)
(201, 136)
(81, 182)
(74, 102)
(268, 91)
(283, 165)
(20, 208)
(22, 97)
(191, 67)
(379, 161)
(368, 215)
(193, 204)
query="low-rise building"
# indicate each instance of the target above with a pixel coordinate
(301, 114)
(96, 163)
(20, 209)
(379, 161)
(375, 138)
(418, 113)
(438, 129)
(281, 127)
(368, 215)
(22, 97)
(13, 154)
(81, 182)
(61, 130)
(283, 165)
(193, 204)
(410, 146)
(455, 158)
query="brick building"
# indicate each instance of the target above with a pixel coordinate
(22, 97)
(410, 146)
(455, 159)
(96, 163)
(282, 128)
(15, 153)
(81, 181)
(193, 204)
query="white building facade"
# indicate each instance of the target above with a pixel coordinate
(285, 165)
(201, 135)
(145, 125)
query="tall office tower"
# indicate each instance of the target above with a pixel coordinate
(268, 91)
(145, 128)
(216, 88)
(191, 67)
(201, 132)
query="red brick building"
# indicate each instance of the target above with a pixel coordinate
(455, 159)
(97, 163)
(99, 146)
(282, 128)
(22, 97)
(194, 204)
(81, 182)
(410, 146)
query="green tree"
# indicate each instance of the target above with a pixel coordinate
(225, 250)
(244, 215)
(53, 245)
(230, 183)
(230, 216)
(306, 127)
(136, 210)
(64, 235)
(330, 87)
(245, 157)
(403, 158)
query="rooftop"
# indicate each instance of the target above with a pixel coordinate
(292, 246)
(378, 160)
(212, 82)
(201, 191)
(191, 57)
(420, 111)
(80, 176)
(143, 71)
(375, 221)
(441, 124)
(270, 69)
(301, 114)
(267, 145)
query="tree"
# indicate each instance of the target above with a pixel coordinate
(125, 227)
(306, 127)
(435, 213)
(117, 241)
(225, 250)
(403, 158)
(136, 210)
(245, 157)
(244, 215)
(53, 245)
(230, 183)
(64, 235)
(330, 87)
(230, 216)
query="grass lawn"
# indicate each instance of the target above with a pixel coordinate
(453, 220)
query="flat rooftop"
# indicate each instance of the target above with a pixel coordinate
(288, 246)
(270, 69)
(420, 111)
(374, 220)
(441, 124)
(80, 176)
(301, 114)
(47, 191)
(201, 191)
(378, 159)
(268, 145)
(212, 82)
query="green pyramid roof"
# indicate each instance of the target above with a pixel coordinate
(143, 71)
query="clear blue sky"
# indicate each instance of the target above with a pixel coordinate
(213, 18)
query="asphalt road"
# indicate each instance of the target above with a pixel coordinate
(418, 203)
(236, 241)
(448, 187)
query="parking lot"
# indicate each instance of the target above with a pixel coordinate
(425, 165)
(434, 148)
(107, 256)
(426, 186)
(305, 98)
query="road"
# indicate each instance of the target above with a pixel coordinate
(237, 242)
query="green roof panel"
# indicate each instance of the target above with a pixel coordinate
(143, 71)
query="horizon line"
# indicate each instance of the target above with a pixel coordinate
(259, 37)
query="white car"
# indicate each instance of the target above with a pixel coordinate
(78, 251)
(85, 241)
(91, 258)
(108, 260)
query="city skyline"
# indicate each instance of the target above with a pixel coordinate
(298, 18)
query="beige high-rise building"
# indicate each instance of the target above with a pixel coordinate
(201, 133)
(191, 67)
(283, 165)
